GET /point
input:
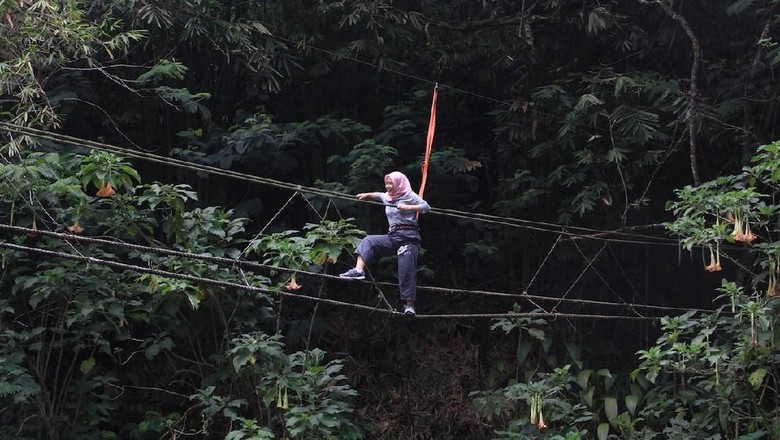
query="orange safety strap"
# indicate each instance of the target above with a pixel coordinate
(429, 144)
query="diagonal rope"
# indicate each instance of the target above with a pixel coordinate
(375, 285)
(601, 277)
(31, 202)
(637, 296)
(584, 270)
(268, 224)
(380, 294)
(539, 269)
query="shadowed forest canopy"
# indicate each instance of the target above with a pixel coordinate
(178, 180)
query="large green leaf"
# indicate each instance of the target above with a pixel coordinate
(611, 408)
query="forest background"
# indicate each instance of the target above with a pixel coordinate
(177, 196)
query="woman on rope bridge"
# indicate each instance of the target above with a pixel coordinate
(401, 207)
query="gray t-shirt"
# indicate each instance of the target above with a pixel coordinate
(397, 217)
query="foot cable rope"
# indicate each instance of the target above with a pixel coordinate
(21, 231)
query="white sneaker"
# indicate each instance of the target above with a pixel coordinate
(409, 309)
(353, 274)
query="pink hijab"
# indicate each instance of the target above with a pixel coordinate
(401, 185)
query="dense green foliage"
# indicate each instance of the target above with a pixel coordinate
(640, 120)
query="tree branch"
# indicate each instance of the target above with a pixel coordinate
(516, 20)
(693, 104)
(764, 35)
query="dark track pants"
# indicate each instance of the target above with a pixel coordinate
(405, 243)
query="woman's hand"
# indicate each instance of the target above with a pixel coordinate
(403, 207)
(363, 196)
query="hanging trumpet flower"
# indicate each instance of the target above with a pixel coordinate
(742, 232)
(281, 401)
(748, 236)
(76, 228)
(537, 416)
(717, 373)
(752, 308)
(753, 335)
(714, 265)
(736, 234)
(106, 190)
(771, 289)
(293, 284)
